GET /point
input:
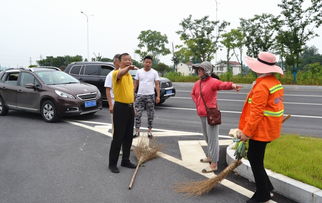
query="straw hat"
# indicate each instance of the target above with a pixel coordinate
(265, 63)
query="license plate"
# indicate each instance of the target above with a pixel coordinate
(168, 92)
(90, 103)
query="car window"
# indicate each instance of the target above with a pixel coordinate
(56, 77)
(106, 70)
(75, 70)
(12, 78)
(92, 70)
(27, 78)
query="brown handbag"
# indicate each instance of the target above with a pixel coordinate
(213, 114)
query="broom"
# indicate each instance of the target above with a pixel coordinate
(199, 188)
(144, 152)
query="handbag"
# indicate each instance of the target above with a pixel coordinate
(213, 114)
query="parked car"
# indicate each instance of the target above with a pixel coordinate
(166, 88)
(91, 72)
(48, 91)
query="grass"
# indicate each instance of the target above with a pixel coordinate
(297, 157)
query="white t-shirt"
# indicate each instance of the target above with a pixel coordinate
(146, 81)
(108, 83)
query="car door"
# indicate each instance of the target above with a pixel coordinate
(75, 72)
(91, 74)
(9, 88)
(28, 98)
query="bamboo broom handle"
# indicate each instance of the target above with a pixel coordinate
(133, 177)
(287, 117)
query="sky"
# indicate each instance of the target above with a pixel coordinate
(33, 29)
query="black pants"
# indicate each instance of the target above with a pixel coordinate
(123, 121)
(256, 152)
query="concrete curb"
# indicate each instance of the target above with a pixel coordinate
(283, 185)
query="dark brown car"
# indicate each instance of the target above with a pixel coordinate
(50, 92)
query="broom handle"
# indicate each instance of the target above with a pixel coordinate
(133, 177)
(287, 117)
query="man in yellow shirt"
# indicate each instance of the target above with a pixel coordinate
(123, 114)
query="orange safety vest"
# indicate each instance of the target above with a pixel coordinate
(263, 110)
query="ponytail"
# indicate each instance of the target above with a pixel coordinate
(213, 75)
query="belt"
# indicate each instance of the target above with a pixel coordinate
(125, 104)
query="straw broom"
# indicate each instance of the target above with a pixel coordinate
(144, 151)
(199, 188)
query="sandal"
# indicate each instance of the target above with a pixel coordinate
(150, 135)
(209, 170)
(205, 160)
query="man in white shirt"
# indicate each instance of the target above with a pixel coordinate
(109, 87)
(148, 82)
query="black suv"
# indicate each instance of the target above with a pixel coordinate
(91, 72)
(48, 91)
(96, 72)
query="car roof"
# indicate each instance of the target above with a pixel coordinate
(94, 62)
(31, 69)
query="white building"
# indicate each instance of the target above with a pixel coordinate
(221, 67)
(185, 69)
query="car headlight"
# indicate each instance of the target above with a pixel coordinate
(99, 94)
(65, 95)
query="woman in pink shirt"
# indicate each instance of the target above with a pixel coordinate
(209, 88)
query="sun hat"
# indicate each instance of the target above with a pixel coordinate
(206, 65)
(265, 63)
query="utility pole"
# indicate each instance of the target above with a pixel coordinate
(217, 29)
(88, 59)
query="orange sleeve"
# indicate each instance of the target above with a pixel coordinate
(259, 102)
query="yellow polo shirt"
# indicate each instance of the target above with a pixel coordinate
(123, 88)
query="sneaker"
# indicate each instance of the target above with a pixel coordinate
(150, 135)
(128, 165)
(114, 169)
(137, 134)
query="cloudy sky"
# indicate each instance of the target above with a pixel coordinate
(31, 29)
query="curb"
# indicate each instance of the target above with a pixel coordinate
(283, 185)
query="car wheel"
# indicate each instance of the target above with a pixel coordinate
(48, 111)
(3, 108)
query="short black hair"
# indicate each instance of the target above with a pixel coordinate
(148, 57)
(124, 54)
(117, 56)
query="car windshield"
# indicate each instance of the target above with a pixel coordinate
(56, 77)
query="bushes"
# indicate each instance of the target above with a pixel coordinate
(178, 77)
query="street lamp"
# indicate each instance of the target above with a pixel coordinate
(82, 12)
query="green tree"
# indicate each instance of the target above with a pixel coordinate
(310, 55)
(232, 40)
(300, 18)
(200, 39)
(152, 43)
(260, 33)
(59, 61)
(162, 68)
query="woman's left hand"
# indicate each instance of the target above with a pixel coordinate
(242, 136)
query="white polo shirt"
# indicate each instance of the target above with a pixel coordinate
(108, 83)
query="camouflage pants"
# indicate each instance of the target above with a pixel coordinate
(144, 102)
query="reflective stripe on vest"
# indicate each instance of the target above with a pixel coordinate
(274, 114)
(275, 88)
(249, 100)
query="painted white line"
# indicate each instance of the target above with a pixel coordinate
(238, 112)
(227, 92)
(239, 100)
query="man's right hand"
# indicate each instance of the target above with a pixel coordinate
(110, 108)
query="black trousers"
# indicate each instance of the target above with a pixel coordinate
(123, 121)
(256, 152)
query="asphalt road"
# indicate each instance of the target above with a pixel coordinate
(64, 162)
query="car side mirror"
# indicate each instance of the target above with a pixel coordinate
(30, 86)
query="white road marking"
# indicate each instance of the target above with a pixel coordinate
(238, 112)
(239, 100)
(227, 92)
(191, 151)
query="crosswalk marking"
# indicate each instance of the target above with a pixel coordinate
(191, 151)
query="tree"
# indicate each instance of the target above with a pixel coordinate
(232, 40)
(199, 37)
(310, 55)
(299, 21)
(162, 68)
(152, 43)
(59, 61)
(260, 33)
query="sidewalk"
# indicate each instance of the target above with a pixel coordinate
(283, 185)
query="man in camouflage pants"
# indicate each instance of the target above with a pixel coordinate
(148, 82)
